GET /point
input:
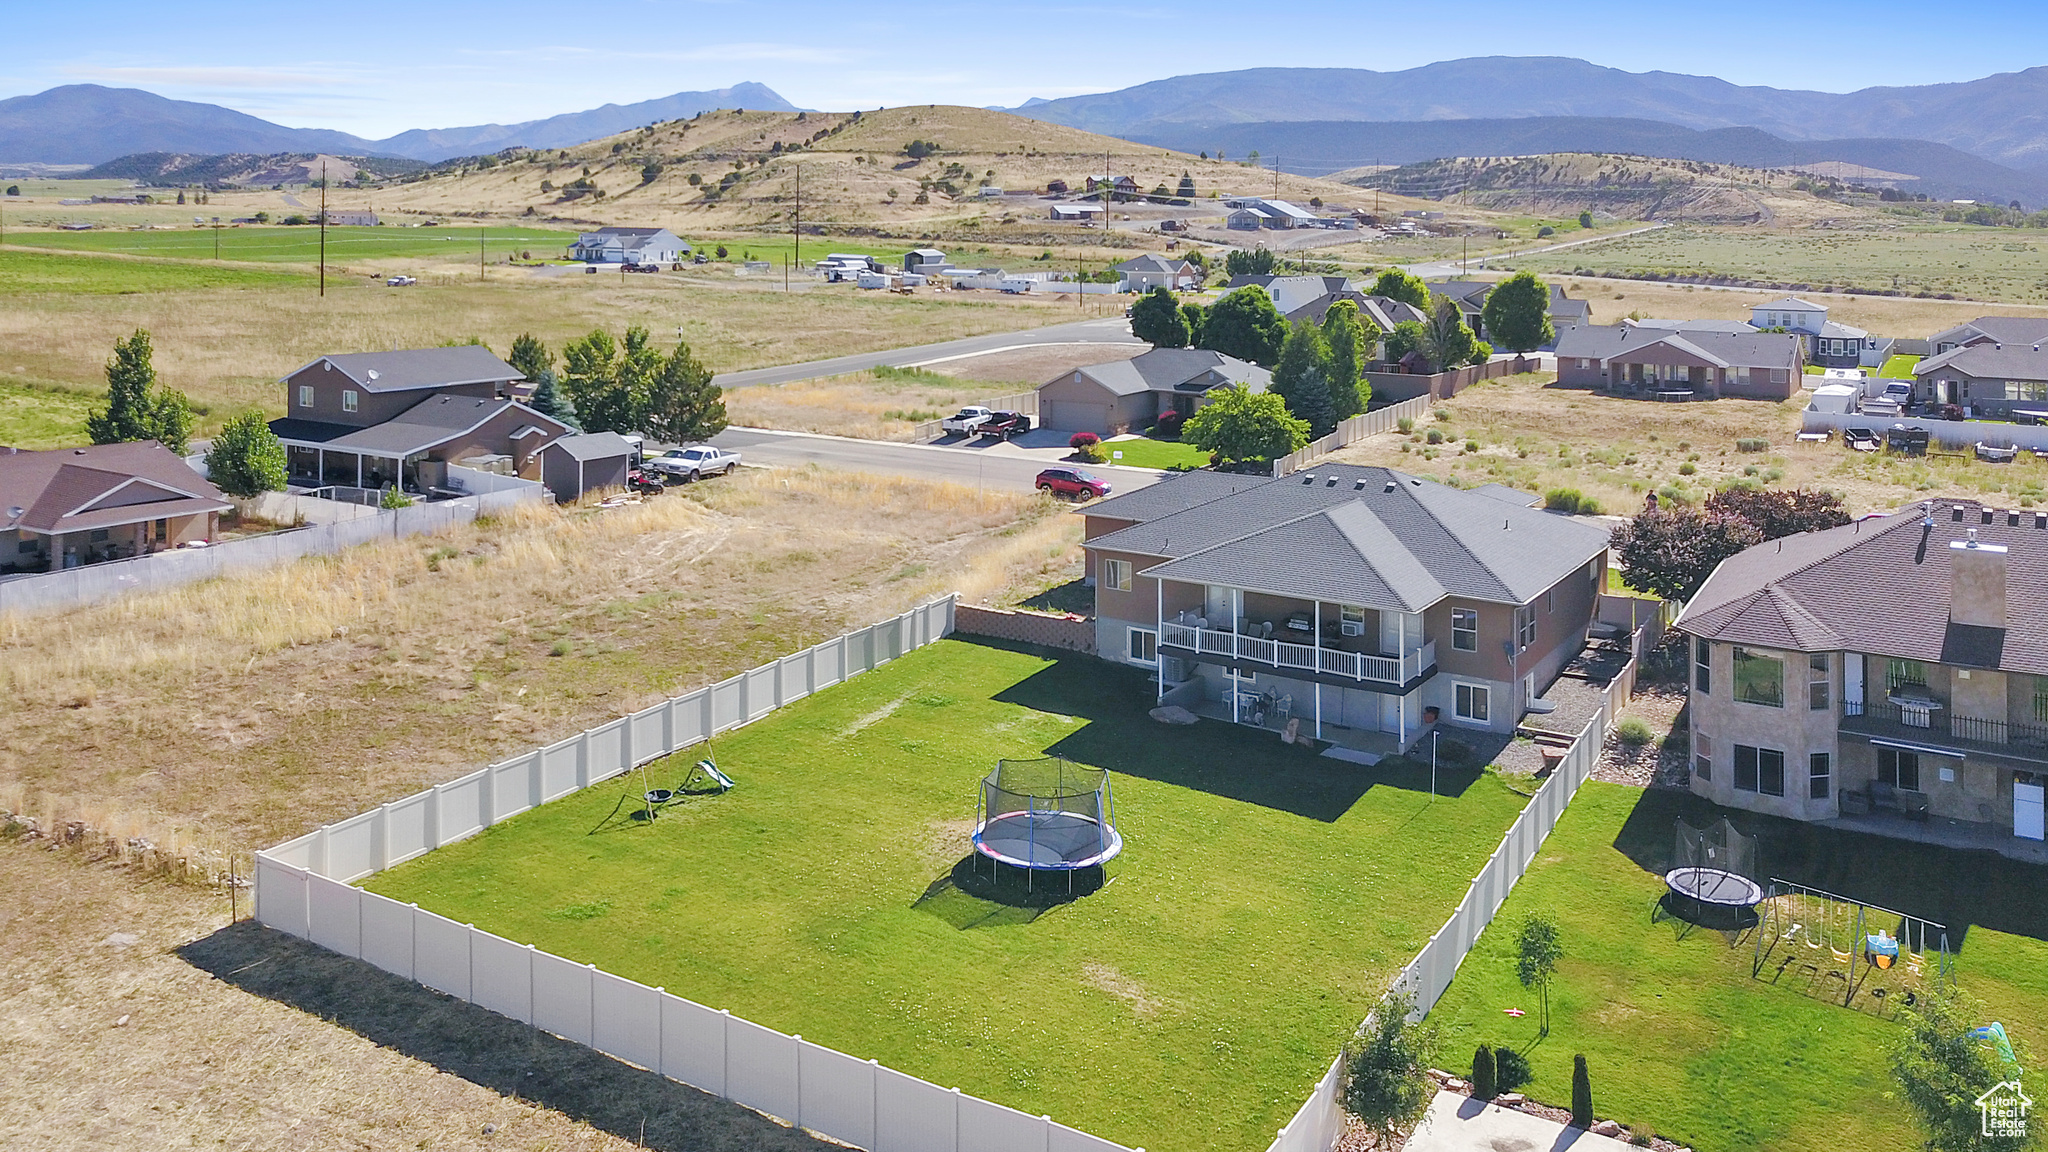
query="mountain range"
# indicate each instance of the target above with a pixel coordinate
(2001, 118)
(91, 124)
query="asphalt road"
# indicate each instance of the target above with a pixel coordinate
(1112, 330)
(961, 465)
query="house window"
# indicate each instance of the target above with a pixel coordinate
(1702, 677)
(1242, 676)
(1525, 625)
(1904, 674)
(1549, 599)
(1116, 574)
(1465, 630)
(1144, 646)
(1474, 703)
(1585, 363)
(1818, 766)
(1817, 682)
(24, 546)
(1702, 756)
(305, 395)
(2041, 699)
(2035, 390)
(1898, 768)
(1759, 770)
(1759, 679)
(348, 400)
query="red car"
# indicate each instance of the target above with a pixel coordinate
(1072, 482)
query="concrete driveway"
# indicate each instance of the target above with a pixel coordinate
(1458, 1123)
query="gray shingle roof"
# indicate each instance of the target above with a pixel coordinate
(2008, 361)
(1880, 586)
(1179, 494)
(420, 368)
(1175, 369)
(1737, 326)
(594, 446)
(63, 490)
(2001, 329)
(1153, 262)
(1748, 349)
(1834, 331)
(433, 421)
(1392, 526)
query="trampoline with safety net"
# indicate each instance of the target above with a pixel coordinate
(1046, 815)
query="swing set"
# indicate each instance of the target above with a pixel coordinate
(1826, 936)
(703, 779)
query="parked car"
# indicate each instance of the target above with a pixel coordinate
(1072, 482)
(640, 267)
(1003, 425)
(693, 462)
(967, 421)
(401, 282)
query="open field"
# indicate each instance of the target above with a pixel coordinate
(226, 349)
(42, 417)
(1613, 300)
(1187, 1003)
(346, 246)
(2000, 264)
(32, 273)
(1535, 436)
(1680, 1038)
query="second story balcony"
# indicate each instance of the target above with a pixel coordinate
(1931, 721)
(1331, 665)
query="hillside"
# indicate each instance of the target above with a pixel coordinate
(1997, 117)
(576, 127)
(178, 169)
(739, 170)
(1319, 147)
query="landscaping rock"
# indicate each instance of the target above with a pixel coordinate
(1173, 714)
(1607, 1128)
(1457, 1085)
(1510, 1099)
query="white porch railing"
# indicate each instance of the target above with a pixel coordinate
(1308, 657)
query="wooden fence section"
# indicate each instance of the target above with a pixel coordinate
(1074, 633)
(1351, 431)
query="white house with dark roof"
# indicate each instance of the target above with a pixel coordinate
(1144, 273)
(1130, 395)
(612, 245)
(1365, 603)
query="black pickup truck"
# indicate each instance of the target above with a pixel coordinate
(1003, 425)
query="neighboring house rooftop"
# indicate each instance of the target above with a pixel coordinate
(1997, 329)
(1790, 304)
(1882, 586)
(1736, 326)
(1722, 349)
(1833, 331)
(613, 230)
(432, 422)
(1357, 535)
(1153, 262)
(2009, 361)
(103, 486)
(412, 368)
(1176, 370)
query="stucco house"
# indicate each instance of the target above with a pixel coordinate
(378, 419)
(1828, 344)
(629, 246)
(1889, 669)
(1990, 330)
(1126, 395)
(77, 506)
(1989, 379)
(1144, 273)
(1701, 364)
(1366, 604)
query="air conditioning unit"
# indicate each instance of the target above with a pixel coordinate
(1351, 628)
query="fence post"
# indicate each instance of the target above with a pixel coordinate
(318, 856)
(381, 837)
(668, 724)
(433, 817)
(583, 760)
(487, 795)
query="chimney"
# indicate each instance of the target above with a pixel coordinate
(1976, 583)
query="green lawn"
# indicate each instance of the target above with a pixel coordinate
(1898, 368)
(24, 273)
(1678, 1035)
(301, 245)
(1265, 897)
(42, 418)
(1150, 453)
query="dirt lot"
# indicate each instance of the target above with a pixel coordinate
(238, 713)
(1524, 431)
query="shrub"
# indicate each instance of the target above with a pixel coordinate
(1688, 468)
(1545, 232)
(1510, 1069)
(393, 498)
(1435, 436)
(1752, 444)
(1080, 440)
(1092, 453)
(1406, 424)
(1471, 445)
(1443, 414)
(1482, 1074)
(1633, 732)
(1582, 1094)
(1570, 501)
(1170, 423)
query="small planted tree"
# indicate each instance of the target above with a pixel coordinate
(1582, 1093)
(247, 458)
(137, 408)
(1672, 551)
(1537, 953)
(1386, 1079)
(1239, 424)
(1483, 1083)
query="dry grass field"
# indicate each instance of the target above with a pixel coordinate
(1522, 431)
(1614, 300)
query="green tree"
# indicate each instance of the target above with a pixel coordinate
(1302, 378)
(1245, 324)
(530, 356)
(1252, 262)
(137, 408)
(1672, 551)
(247, 458)
(1187, 187)
(1395, 284)
(1156, 319)
(682, 403)
(1239, 424)
(1537, 952)
(1386, 1071)
(1780, 512)
(1196, 316)
(1585, 219)
(1352, 343)
(1484, 1084)
(1582, 1093)
(1405, 338)
(1517, 313)
(595, 376)
(1447, 341)
(1942, 1069)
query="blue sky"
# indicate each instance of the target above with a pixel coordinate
(375, 67)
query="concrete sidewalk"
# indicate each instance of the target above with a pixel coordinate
(1458, 1123)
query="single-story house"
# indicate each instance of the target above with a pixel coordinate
(1076, 213)
(1990, 330)
(1381, 312)
(1705, 364)
(1290, 293)
(77, 506)
(629, 246)
(573, 465)
(1125, 395)
(1144, 273)
(1470, 297)
(350, 218)
(378, 419)
(1989, 379)
(1250, 212)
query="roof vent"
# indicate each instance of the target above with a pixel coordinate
(2041, 519)
(1389, 488)
(2012, 518)
(1309, 479)
(1330, 483)
(1927, 513)
(1986, 515)
(1358, 486)
(78, 451)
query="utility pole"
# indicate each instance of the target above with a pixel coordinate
(323, 229)
(797, 227)
(479, 255)
(1276, 175)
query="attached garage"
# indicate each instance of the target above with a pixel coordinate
(1077, 416)
(1129, 395)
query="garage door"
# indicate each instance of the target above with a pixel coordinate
(1075, 416)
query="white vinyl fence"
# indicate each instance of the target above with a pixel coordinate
(1946, 433)
(93, 583)
(1351, 431)
(304, 887)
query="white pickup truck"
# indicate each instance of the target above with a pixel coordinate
(693, 462)
(967, 421)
